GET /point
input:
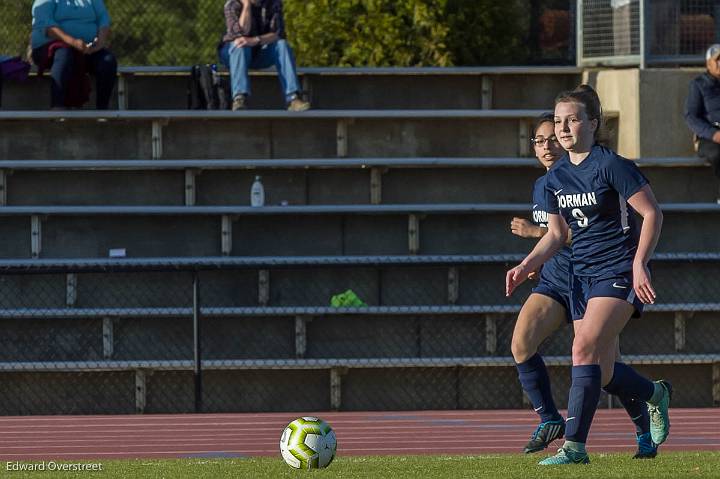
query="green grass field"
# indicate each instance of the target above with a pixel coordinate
(671, 465)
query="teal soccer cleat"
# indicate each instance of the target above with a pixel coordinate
(647, 449)
(545, 433)
(565, 456)
(659, 415)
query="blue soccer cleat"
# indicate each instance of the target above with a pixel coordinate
(647, 449)
(565, 456)
(659, 414)
(545, 433)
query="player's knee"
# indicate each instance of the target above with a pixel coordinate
(521, 349)
(584, 350)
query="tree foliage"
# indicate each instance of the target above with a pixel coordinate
(408, 32)
(368, 32)
(164, 32)
(487, 32)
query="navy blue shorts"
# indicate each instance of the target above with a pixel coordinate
(552, 291)
(611, 285)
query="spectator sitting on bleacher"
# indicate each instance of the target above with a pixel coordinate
(69, 38)
(255, 38)
(702, 110)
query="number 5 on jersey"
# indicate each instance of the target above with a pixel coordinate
(582, 220)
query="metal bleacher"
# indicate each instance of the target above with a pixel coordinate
(412, 224)
(340, 88)
(175, 134)
(298, 317)
(165, 87)
(229, 164)
(380, 177)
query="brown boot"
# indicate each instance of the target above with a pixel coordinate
(239, 103)
(298, 104)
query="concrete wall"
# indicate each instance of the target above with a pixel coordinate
(619, 91)
(651, 105)
(663, 130)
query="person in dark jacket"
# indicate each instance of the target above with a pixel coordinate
(702, 110)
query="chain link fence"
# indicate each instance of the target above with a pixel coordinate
(156, 32)
(185, 32)
(611, 32)
(235, 335)
(652, 32)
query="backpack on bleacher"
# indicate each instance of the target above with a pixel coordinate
(12, 68)
(208, 90)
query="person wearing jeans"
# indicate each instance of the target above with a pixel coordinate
(255, 38)
(70, 39)
(101, 64)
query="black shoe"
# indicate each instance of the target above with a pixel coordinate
(545, 433)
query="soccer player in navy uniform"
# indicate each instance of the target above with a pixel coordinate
(595, 193)
(548, 306)
(547, 309)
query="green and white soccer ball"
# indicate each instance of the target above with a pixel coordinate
(308, 443)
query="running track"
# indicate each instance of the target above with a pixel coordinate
(36, 438)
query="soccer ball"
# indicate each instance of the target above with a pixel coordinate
(308, 443)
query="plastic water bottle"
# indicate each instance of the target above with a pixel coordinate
(257, 193)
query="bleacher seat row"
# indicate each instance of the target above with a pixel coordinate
(307, 349)
(165, 87)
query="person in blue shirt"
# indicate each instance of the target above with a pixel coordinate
(595, 192)
(702, 110)
(548, 308)
(68, 35)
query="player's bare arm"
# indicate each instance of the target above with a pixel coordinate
(646, 205)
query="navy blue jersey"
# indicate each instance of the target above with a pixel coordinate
(592, 197)
(556, 269)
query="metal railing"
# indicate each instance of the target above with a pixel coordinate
(646, 32)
